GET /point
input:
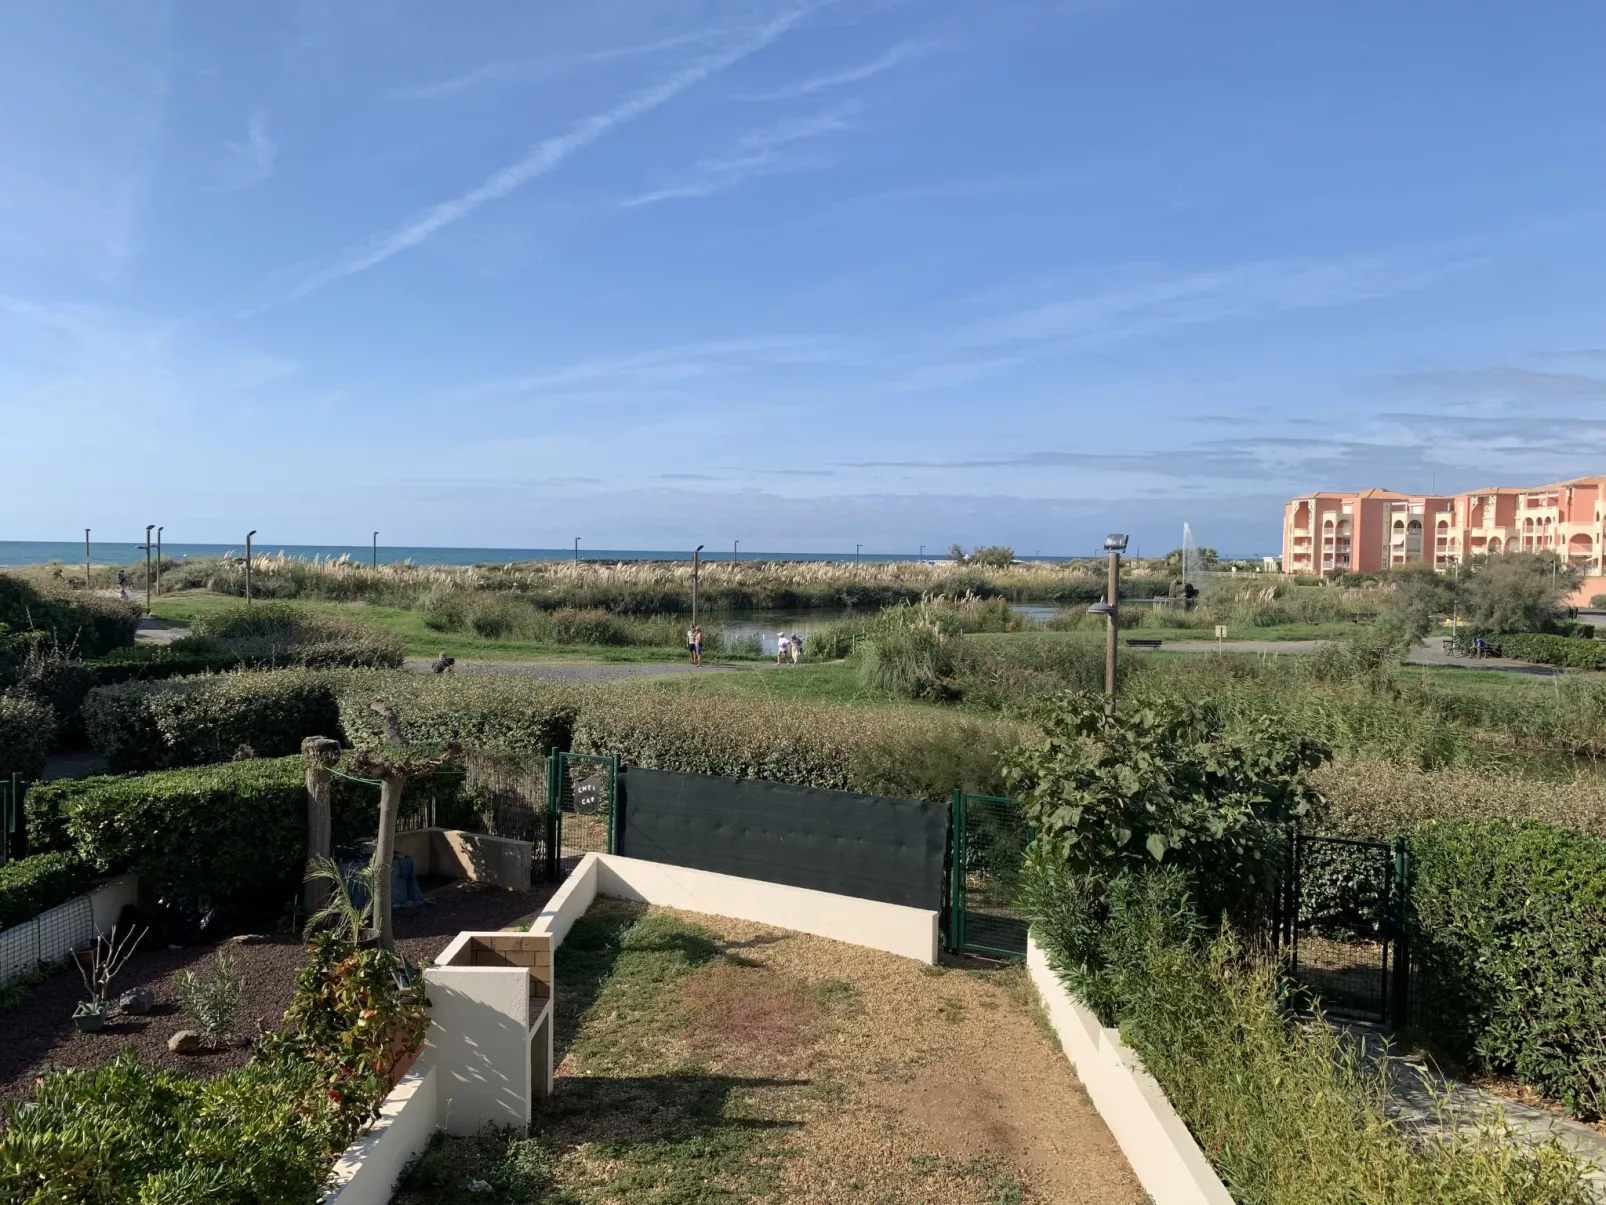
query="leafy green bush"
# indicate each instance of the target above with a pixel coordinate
(277, 634)
(906, 655)
(1288, 1112)
(84, 625)
(1025, 669)
(922, 754)
(1164, 783)
(128, 1134)
(28, 886)
(234, 832)
(509, 713)
(1511, 931)
(1570, 651)
(149, 662)
(26, 728)
(193, 721)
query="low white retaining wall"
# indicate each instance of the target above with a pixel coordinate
(1163, 1154)
(367, 1171)
(911, 932)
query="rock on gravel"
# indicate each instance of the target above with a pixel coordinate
(186, 1041)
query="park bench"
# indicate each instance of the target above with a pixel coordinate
(1133, 642)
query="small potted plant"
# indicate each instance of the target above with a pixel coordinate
(98, 966)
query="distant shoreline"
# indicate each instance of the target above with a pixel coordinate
(21, 554)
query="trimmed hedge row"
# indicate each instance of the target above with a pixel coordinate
(29, 886)
(234, 832)
(26, 728)
(194, 721)
(504, 713)
(1511, 931)
(1570, 651)
(912, 754)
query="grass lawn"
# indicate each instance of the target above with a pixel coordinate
(707, 1061)
(816, 682)
(423, 641)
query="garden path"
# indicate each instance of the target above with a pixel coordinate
(1426, 1100)
(571, 672)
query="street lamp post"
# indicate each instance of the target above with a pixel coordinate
(856, 548)
(149, 527)
(922, 554)
(696, 564)
(87, 582)
(576, 550)
(1114, 544)
(248, 536)
(376, 550)
(735, 544)
(158, 560)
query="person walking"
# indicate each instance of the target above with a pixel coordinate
(796, 648)
(781, 647)
(696, 644)
(691, 644)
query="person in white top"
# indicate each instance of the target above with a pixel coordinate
(781, 647)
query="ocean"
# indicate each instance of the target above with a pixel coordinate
(17, 553)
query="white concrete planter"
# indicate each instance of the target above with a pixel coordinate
(367, 1170)
(1163, 1154)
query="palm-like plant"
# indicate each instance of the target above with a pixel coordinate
(342, 912)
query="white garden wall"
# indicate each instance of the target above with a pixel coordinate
(1156, 1142)
(366, 1173)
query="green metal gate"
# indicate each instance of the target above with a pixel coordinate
(13, 839)
(987, 841)
(582, 808)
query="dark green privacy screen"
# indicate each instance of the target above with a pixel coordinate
(868, 846)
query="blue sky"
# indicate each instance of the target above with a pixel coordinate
(805, 275)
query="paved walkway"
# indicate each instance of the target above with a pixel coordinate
(154, 631)
(1426, 1101)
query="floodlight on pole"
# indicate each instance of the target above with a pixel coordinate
(149, 527)
(158, 560)
(696, 560)
(248, 538)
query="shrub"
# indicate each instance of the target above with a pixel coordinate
(1597, 602)
(232, 833)
(150, 662)
(28, 886)
(1025, 669)
(26, 728)
(212, 1003)
(1289, 1112)
(192, 721)
(916, 754)
(276, 634)
(906, 656)
(1517, 592)
(1163, 783)
(1511, 931)
(510, 713)
(1570, 651)
(129, 1134)
(84, 625)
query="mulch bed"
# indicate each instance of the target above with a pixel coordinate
(39, 1031)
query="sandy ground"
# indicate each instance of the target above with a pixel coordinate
(892, 1082)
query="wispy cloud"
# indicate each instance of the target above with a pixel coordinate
(668, 367)
(893, 56)
(761, 152)
(1502, 383)
(542, 158)
(521, 70)
(252, 159)
(1243, 291)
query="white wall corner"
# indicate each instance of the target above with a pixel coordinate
(367, 1171)
(1157, 1143)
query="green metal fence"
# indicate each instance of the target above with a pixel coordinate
(988, 836)
(582, 808)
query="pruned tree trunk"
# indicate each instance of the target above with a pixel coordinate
(390, 797)
(319, 754)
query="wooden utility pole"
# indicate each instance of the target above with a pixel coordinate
(87, 582)
(248, 536)
(1111, 634)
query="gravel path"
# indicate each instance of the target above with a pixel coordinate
(39, 1031)
(1430, 652)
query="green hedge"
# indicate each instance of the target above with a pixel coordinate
(28, 886)
(912, 753)
(1570, 651)
(1511, 932)
(85, 625)
(278, 635)
(234, 832)
(194, 721)
(507, 713)
(27, 726)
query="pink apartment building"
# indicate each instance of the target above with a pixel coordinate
(1369, 530)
